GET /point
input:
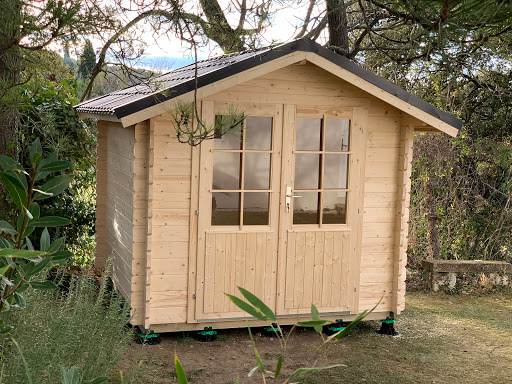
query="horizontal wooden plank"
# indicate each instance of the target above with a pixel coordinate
(382, 169)
(170, 234)
(243, 96)
(381, 155)
(380, 199)
(167, 299)
(169, 148)
(173, 167)
(380, 184)
(165, 185)
(168, 315)
(376, 275)
(380, 108)
(169, 266)
(378, 139)
(376, 259)
(378, 124)
(178, 216)
(386, 230)
(169, 249)
(160, 283)
(380, 215)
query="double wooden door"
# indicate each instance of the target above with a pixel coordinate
(280, 207)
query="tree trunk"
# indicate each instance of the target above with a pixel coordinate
(337, 24)
(9, 75)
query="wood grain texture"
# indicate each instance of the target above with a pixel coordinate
(402, 217)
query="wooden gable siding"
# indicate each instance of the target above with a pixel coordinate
(169, 216)
(308, 85)
(114, 226)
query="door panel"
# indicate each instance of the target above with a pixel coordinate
(320, 231)
(237, 259)
(318, 267)
(239, 193)
(289, 263)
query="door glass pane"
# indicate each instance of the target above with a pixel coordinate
(232, 139)
(307, 170)
(335, 173)
(225, 208)
(257, 171)
(305, 208)
(308, 137)
(334, 208)
(258, 133)
(226, 170)
(337, 135)
(256, 208)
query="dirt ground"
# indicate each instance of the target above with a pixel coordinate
(443, 339)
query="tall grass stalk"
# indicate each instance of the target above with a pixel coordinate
(84, 327)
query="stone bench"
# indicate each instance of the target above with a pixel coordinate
(444, 272)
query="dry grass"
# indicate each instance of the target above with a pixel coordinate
(444, 339)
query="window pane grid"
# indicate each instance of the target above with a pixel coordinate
(331, 198)
(251, 205)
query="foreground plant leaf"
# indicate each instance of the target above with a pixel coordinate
(180, 372)
(247, 307)
(258, 304)
(23, 253)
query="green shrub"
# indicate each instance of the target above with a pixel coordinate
(82, 326)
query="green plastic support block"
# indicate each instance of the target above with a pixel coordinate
(204, 333)
(388, 321)
(148, 336)
(336, 329)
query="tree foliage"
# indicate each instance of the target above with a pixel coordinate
(87, 61)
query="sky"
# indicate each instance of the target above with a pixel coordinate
(166, 53)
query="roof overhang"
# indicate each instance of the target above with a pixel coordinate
(272, 60)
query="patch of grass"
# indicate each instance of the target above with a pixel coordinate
(185, 339)
(222, 337)
(84, 326)
(444, 338)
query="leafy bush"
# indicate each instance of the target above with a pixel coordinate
(47, 115)
(461, 198)
(83, 327)
(20, 263)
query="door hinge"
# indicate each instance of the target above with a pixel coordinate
(197, 212)
(194, 296)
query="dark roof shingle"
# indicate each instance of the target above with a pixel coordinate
(180, 81)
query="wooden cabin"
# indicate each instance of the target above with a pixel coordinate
(308, 205)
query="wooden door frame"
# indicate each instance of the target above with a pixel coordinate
(201, 216)
(359, 120)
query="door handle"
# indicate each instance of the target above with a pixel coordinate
(289, 198)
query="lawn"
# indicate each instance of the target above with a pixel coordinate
(444, 339)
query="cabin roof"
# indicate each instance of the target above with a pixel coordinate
(180, 81)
